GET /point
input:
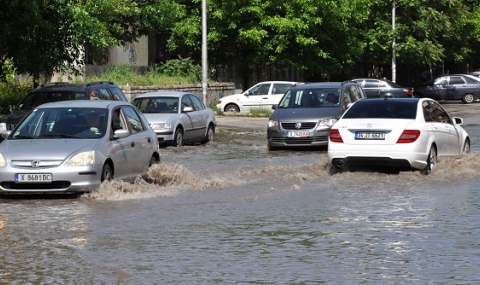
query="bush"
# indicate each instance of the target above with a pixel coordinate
(11, 92)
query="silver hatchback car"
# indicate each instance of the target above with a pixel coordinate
(72, 146)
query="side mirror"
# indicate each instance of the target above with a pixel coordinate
(457, 121)
(5, 134)
(187, 109)
(274, 106)
(121, 133)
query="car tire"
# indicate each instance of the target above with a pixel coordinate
(153, 160)
(178, 137)
(466, 147)
(107, 173)
(210, 134)
(431, 161)
(232, 108)
(468, 98)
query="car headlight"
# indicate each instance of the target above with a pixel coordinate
(272, 123)
(3, 127)
(161, 126)
(326, 123)
(82, 159)
(3, 162)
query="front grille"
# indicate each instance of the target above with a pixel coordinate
(304, 125)
(300, 141)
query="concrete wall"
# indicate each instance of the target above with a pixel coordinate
(214, 90)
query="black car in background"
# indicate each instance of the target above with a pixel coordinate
(375, 88)
(60, 91)
(463, 87)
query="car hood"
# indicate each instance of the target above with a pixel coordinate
(159, 117)
(51, 149)
(231, 98)
(295, 114)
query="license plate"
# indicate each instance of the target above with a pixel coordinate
(33, 178)
(369, 135)
(300, 134)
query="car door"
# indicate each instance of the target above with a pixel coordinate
(201, 121)
(188, 118)
(276, 94)
(257, 96)
(433, 114)
(371, 87)
(456, 87)
(141, 142)
(438, 89)
(123, 155)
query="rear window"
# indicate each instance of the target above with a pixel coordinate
(386, 109)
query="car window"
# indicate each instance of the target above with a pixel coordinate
(385, 109)
(197, 103)
(156, 104)
(261, 89)
(133, 120)
(104, 94)
(441, 81)
(117, 94)
(34, 99)
(456, 80)
(186, 102)
(118, 121)
(369, 83)
(355, 93)
(471, 80)
(280, 88)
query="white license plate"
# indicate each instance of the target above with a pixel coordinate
(299, 134)
(33, 178)
(369, 135)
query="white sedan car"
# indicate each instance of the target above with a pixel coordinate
(396, 133)
(261, 95)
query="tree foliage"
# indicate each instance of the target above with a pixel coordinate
(322, 37)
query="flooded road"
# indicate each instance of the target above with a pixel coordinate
(230, 212)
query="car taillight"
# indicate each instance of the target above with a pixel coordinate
(409, 136)
(335, 136)
(409, 92)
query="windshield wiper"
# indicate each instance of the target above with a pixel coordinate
(59, 135)
(22, 137)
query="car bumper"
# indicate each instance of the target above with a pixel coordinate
(164, 136)
(278, 138)
(64, 180)
(403, 155)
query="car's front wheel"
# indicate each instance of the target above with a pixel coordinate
(431, 161)
(232, 108)
(107, 173)
(468, 98)
(178, 138)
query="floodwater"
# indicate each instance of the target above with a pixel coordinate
(230, 212)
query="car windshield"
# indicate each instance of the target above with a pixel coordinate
(311, 98)
(150, 105)
(63, 123)
(385, 109)
(34, 99)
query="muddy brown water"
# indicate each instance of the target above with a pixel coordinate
(231, 212)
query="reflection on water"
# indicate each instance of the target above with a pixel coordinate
(217, 214)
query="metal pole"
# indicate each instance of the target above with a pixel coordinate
(204, 52)
(394, 65)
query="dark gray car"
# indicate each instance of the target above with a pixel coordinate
(459, 87)
(375, 88)
(307, 111)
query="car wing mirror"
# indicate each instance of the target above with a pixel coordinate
(121, 133)
(187, 109)
(457, 121)
(5, 134)
(274, 106)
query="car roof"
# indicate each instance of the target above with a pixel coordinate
(162, 94)
(59, 86)
(83, 104)
(322, 85)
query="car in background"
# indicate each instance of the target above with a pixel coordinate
(177, 118)
(395, 134)
(375, 88)
(261, 95)
(458, 87)
(60, 91)
(307, 111)
(55, 150)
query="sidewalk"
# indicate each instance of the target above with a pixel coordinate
(241, 122)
